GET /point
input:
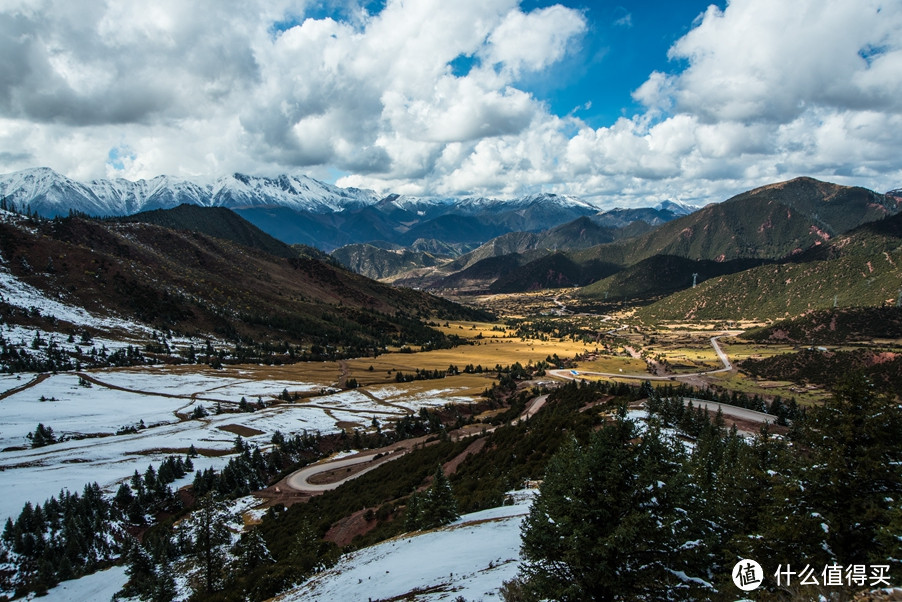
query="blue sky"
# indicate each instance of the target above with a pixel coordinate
(627, 103)
(624, 42)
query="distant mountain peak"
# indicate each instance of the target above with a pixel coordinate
(676, 207)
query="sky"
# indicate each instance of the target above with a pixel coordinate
(627, 103)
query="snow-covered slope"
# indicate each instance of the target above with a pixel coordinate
(101, 585)
(471, 558)
(17, 293)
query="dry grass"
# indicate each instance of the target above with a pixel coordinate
(732, 381)
(685, 345)
(519, 305)
(613, 365)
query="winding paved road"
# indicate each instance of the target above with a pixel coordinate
(730, 410)
(300, 480)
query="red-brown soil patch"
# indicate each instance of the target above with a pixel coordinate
(237, 429)
(450, 467)
(346, 529)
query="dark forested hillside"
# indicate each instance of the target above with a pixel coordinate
(662, 275)
(189, 282)
(825, 367)
(213, 221)
(552, 271)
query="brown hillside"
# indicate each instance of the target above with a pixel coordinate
(196, 284)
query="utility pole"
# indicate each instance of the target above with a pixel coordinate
(694, 280)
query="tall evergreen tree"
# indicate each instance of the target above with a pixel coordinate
(210, 537)
(439, 506)
(250, 552)
(413, 514)
(141, 572)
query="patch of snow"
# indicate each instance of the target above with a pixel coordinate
(471, 558)
(101, 585)
(686, 578)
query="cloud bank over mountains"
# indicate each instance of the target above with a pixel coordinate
(426, 97)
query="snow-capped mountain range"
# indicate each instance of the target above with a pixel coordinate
(50, 193)
(300, 209)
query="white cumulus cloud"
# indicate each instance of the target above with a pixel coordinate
(759, 91)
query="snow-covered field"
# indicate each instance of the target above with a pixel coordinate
(200, 384)
(471, 558)
(162, 398)
(432, 398)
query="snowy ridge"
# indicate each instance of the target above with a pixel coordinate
(677, 208)
(295, 192)
(478, 204)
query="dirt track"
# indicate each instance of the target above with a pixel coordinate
(34, 381)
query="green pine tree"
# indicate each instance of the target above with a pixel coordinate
(413, 515)
(250, 552)
(439, 506)
(855, 480)
(164, 588)
(210, 537)
(141, 573)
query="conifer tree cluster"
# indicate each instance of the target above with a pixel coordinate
(42, 435)
(203, 550)
(71, 535)
(65, 537)
(633, 514)
(150, 493)
(48, 355)
(244, 473)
